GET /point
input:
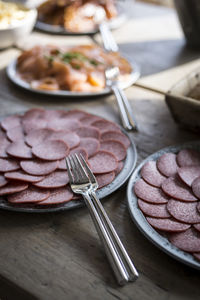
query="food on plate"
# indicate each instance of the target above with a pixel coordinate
(77, 16)
(76, 69)
(11, 14)
(169, 197)
(34, 172)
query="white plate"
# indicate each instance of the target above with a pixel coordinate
(113, 24)
(140, 220)
(130, 79)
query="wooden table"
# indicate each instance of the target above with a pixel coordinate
(58, 255)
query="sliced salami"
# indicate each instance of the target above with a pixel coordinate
(51, 150)
(153, 210)
(105, 179)
(38, 167)
(177, 189)
(58, 196)
(187, 241)
(79, 151)
(188, 157)
(22, 176)
(9, 164)
(4, 143)
(70, 138)
(184, 211)
(11, 122)
(19, 149)
(149, 193)
(115, 147)
(34, 114)
(189, 174)
(30, 195)
(64, 124)
(115, 135)
(37, 136)
(88, 131)
(103, 162)
(196, 187)
(87, 121)
(197, 226)
(167, 165)
(76, 114)
(151, 175)
(119, 168)
(15, 133)
(3, 180)
(168, 225)
(13, 187)
(91, 145)
(104, 125)
(198, 206)
(54, 180)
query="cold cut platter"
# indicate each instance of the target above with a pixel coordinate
(163, 200)
(33, 147)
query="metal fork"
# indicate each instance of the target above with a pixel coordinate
(125, 110)
(80, 183)
(107, 38)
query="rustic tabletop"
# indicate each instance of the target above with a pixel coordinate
(59, 255)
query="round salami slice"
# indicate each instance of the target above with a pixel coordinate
(153, 210)
(19, 149)
(115, 147)
(10, 122)
(196, 255)
(22, 176)
(87, 121)
(58, 196)
(30, 195)
(103, 162)
(54, 180)
(76, 114)
(37, 167)
(91, 145)
(149, 193)
(3, 180)
(13, 187)
(198, 206)
(9, 164)
(189, 174)
(79, 151)
(4, 144)
(37, 136)
(177, 189)
(197, 226)
(2, 133)
(64, 124)
(105, 179)
(188, 240)
(104, 125)
(184, 211)
(167, 165)
(70, 138)
(188, 157)
(115, 135)
(151, 175)
(51, 150)
(196, 187)
(15, 133)
(34, 114)
(168, 225)
(119, 168)
(88, 131)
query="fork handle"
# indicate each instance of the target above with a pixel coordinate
(107, 38)
(133, 274)
(127, 117)
(111, 251)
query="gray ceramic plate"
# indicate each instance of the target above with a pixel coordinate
(12, 75)
(121, 178)
(113, 24)
(140, 220)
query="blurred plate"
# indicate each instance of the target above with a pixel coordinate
(129, 80)
(113, 24)
(140, 220)
(120, 179)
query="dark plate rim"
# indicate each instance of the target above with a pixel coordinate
(121, 178)
(139, 219)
